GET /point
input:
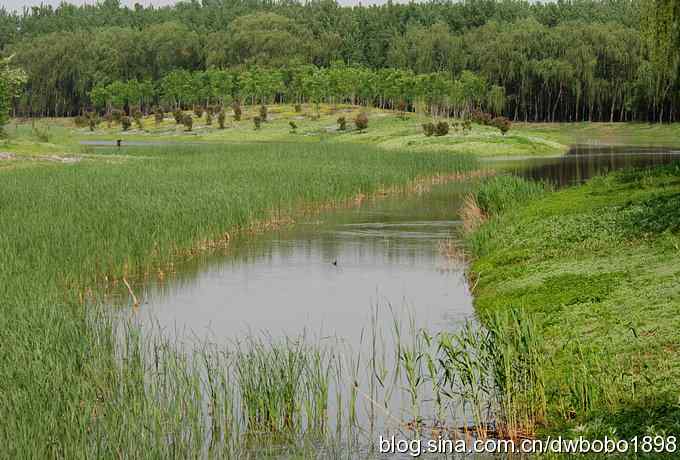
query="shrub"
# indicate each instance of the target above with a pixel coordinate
(467, 125)
(221, 118)
(441, 129)
(80, 121)
(208, 118)
(198, 111)
(298, 108)
(502, 123)
(125, 122)
(481, 118)
(257, 121)
(428, 128)
(117, 115)
(109, 119)
(293, 126)
(263, 113)
(178, 116)
(401, 107)
(236, 107)
(361, 121)
(43, 134)
(342, 123)
(92, 120)
(137, 116)
(158, 115)
(188, 121)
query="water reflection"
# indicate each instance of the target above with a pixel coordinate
(583, 162)
(323, 276)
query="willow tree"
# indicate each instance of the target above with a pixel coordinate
(661, 35)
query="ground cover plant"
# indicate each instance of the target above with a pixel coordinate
(87, 225)
(595, 266)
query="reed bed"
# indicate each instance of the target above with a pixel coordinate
(67, 230)
(264, 396)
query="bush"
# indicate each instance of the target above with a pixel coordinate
(137, 116)
(188, 121)
(428, 128)
(92, 120)
(236, 107)
(158, 115)
(208, 118)
(80, 121)
(342, 123)
(481, 118)
(43, 134)
(125, 122)
(117, 115)
(297, 108)
(502, 123)
(198, 111)
(361, 121)
(293, 126)
(178, 116)
(441, 129)
(257, 121)
(263, 113)
(221, 118)
(467, 126)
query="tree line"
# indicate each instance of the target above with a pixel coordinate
(558, 61)
(434, 93)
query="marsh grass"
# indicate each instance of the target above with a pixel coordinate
(261, 395)
(69, 230)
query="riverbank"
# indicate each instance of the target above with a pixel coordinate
(387, 130)
(597, 268)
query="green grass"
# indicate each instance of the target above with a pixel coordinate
(386, 130)
(68, 391)
(596, 266)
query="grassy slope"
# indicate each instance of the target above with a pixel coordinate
(386, 130)
(599, 266)
(66, 226)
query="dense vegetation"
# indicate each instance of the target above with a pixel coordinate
(89, 224)
(596, 267)
(565, 60)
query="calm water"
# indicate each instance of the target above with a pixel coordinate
(324, 276)
(327, 275)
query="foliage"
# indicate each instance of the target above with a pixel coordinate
(502, 123)
(236, 107)
(263, 113)
(178, 115)
(188, 121)
(158, 115)
(441, 128)
(125, 122)
(293, 126)
(361, 121)
(221, 118)
(257, 122)
(208, 118)
(428, 128)
(342, 123)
